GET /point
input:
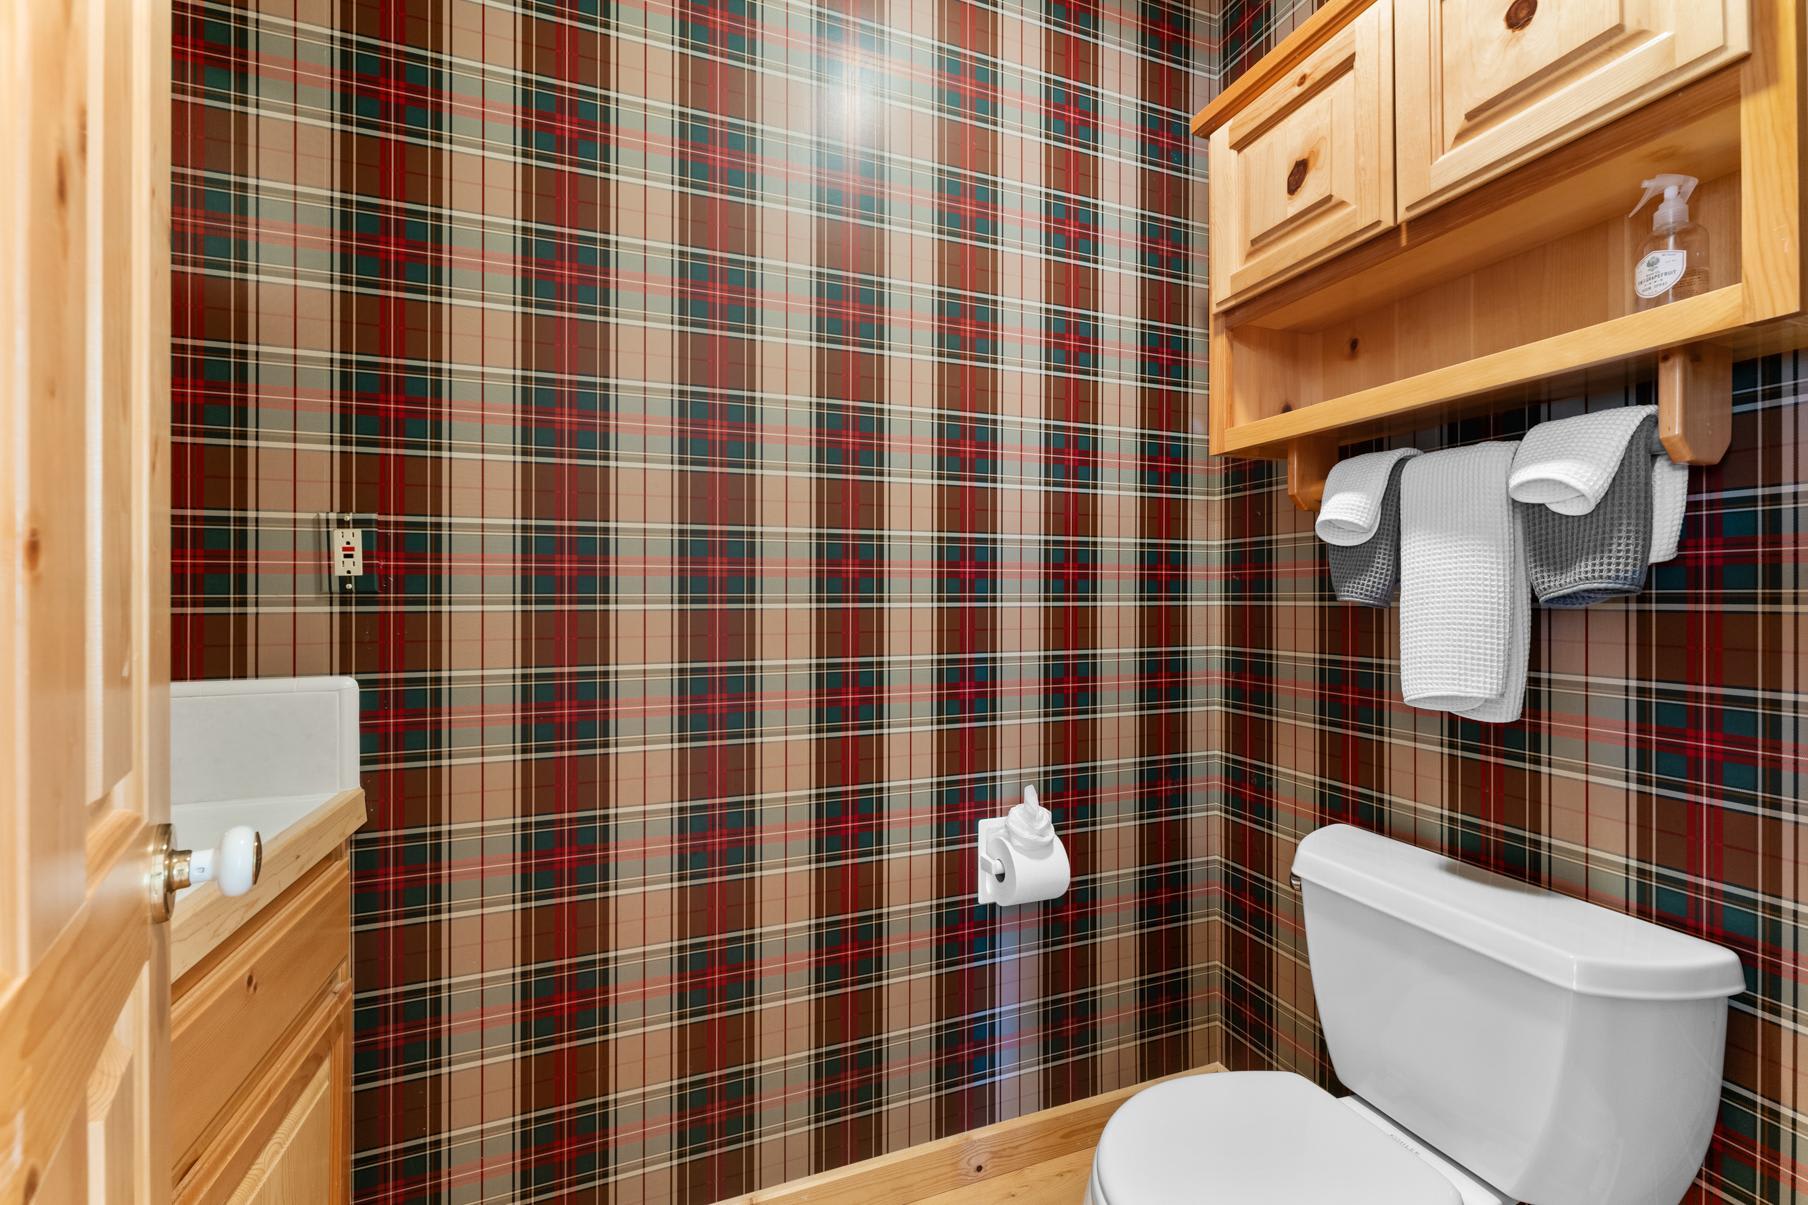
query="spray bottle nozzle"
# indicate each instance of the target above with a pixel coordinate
(1674, 209)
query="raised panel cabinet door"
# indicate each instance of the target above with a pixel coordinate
(1307, 168)
(298, 1166)
(1485, 85)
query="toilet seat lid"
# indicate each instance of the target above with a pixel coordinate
(1255, 1138)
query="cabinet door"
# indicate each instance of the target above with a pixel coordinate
(298, 1166)
(1485, 85)
(1306, 169)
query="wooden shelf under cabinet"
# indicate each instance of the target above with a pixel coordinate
(1513, 281)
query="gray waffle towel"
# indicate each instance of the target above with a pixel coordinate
(1578, 560)
(1369, 573)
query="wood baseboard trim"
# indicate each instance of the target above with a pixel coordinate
(920, 1172)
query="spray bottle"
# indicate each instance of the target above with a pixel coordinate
(1673, 262)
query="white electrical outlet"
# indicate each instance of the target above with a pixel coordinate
(348, 552)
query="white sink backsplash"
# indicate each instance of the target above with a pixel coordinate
(259, 738)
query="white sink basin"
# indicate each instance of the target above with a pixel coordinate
(277, 754)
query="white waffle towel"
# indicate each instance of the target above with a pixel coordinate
(1568, 463)
(1465, 603)
(1354, 488)
(1669, 496)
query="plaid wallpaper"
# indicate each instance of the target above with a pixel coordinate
(780, 422)
(1658, 767)
(779, 419)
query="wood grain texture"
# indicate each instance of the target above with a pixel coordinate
(47, 270)
(1294, 49)
(340, 1039)
(1580, 186)
(1695, 402)
(1220, 393)
(84, 435)
(1301, 171)
(58, 1022)
(1416, 399)
(1524, 279)
(1567, 284)
(1058, 1181)
(282, 1077)
(229, 1014)
(1309, 462)
(112, 1129)
(205, 918)
(1771, 131)
(975, 1162)
(1478, 97)
(296, 1166)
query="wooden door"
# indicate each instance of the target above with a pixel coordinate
(1307, 168)
(1485, 85)
(84, 289)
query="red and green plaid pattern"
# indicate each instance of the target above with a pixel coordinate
(779, 422)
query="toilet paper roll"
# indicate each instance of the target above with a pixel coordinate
(1023, 877)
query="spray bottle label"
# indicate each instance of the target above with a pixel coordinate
(1658, 273)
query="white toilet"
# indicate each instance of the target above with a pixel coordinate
(1503, 1043)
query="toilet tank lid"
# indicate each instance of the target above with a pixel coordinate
(1576, 945)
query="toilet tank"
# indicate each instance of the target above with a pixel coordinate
(1565, 1053)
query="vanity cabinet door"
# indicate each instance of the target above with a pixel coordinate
(304, 1163)
(1306, 169)
(261, 1050)
(1485, 85)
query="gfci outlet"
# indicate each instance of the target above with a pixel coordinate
(348, 552)
(348, 547)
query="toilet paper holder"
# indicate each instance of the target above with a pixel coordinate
(1020, 859)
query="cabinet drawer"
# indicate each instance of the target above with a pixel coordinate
(230, 1013)
(1307, 168)
(1484, 85)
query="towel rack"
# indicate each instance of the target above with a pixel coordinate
(1694, 420)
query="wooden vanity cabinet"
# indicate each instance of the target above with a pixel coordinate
(260, 1027)
(1483, 85)
(1307, 168)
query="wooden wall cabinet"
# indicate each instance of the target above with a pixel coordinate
(1307, 162)
(1485, 85)
(1521, 130)
(260, 1027)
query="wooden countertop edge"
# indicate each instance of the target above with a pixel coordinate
(1312, 33)
(205, 918)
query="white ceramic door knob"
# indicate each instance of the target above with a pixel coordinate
(234, 864)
